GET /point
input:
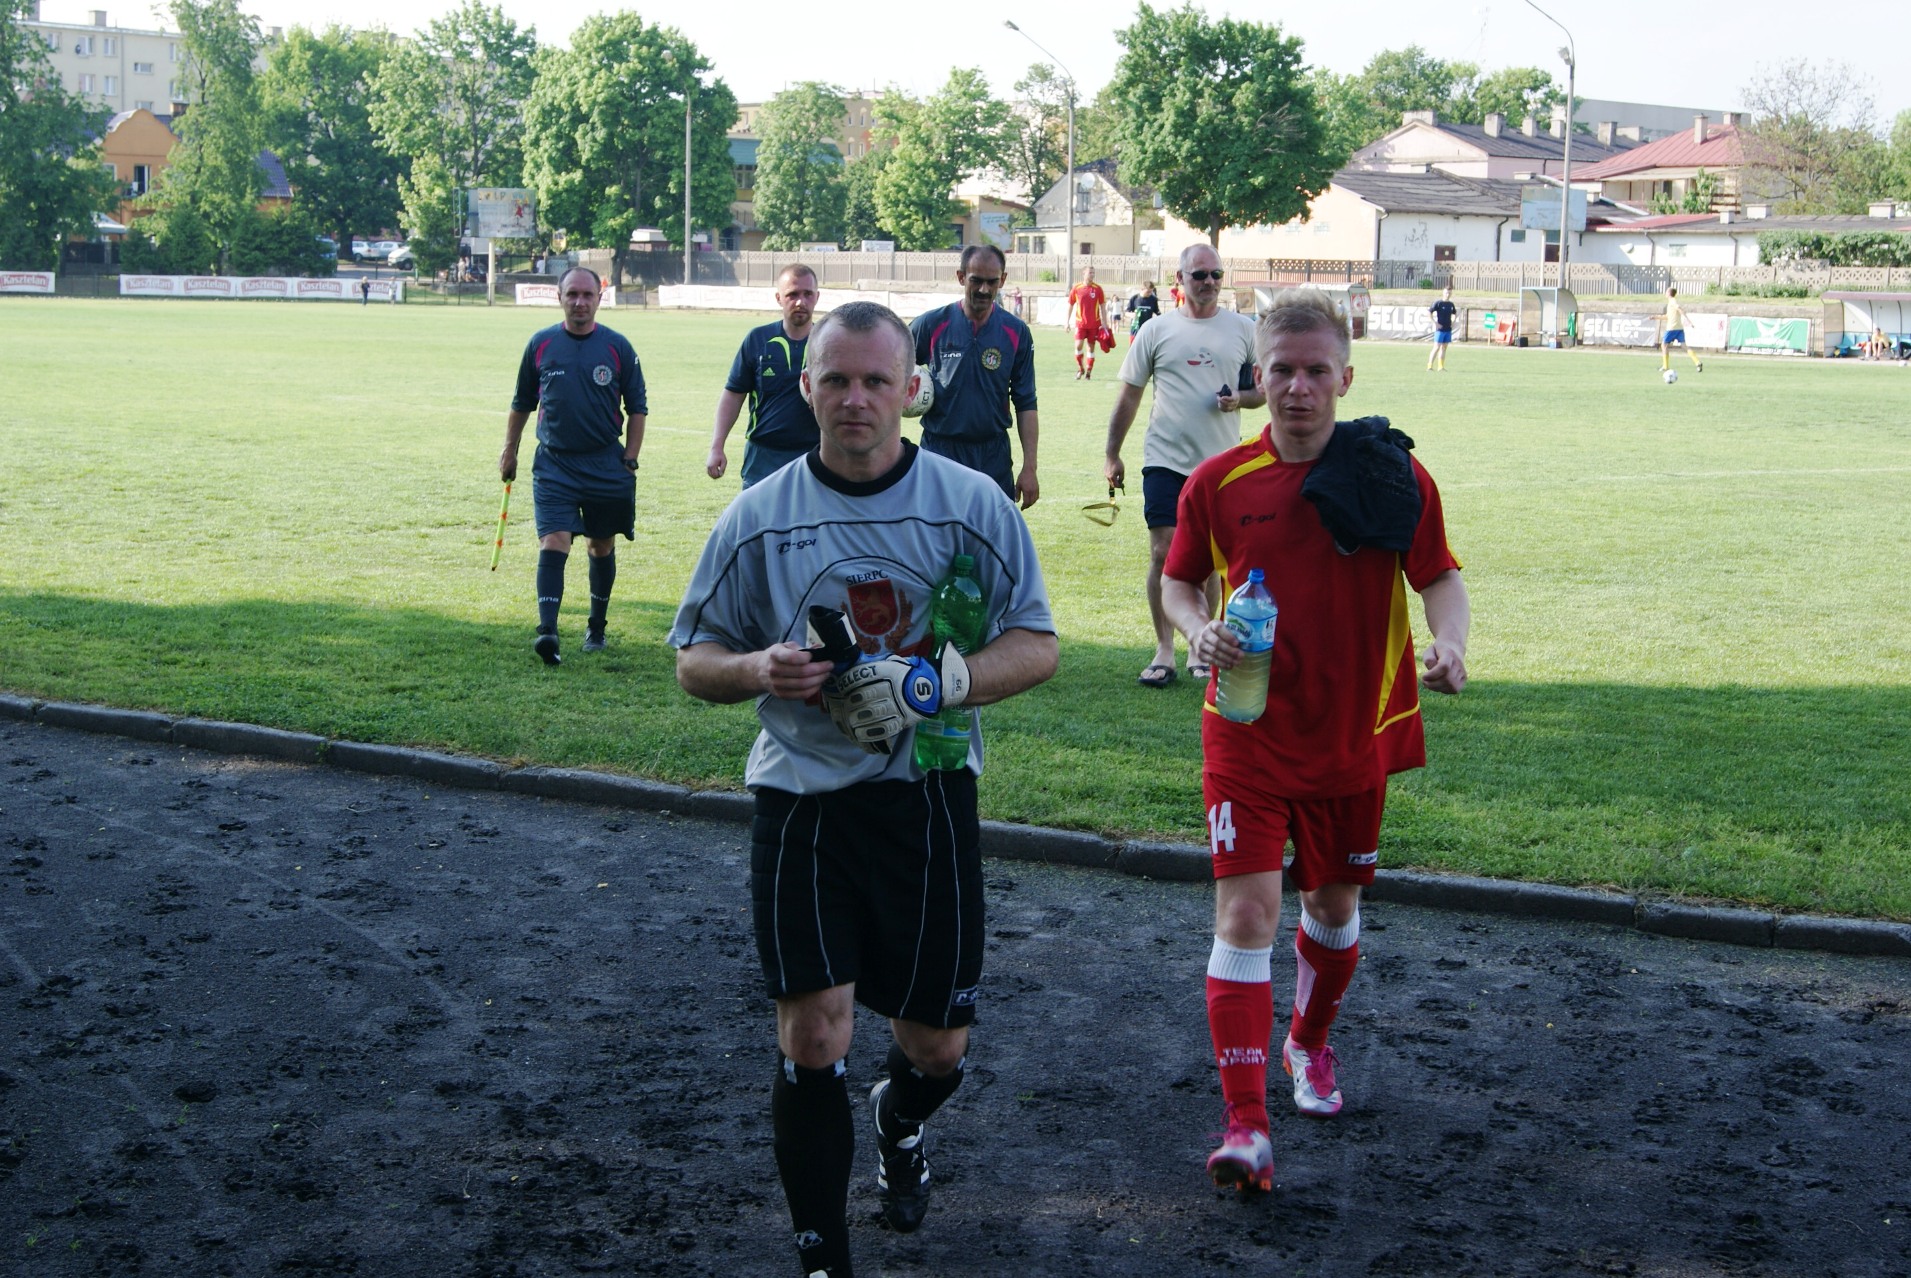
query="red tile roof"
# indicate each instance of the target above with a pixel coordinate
(1722, 149)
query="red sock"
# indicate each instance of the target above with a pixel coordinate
(1091, 363)
(1241, 1019)
(1078, 359)
(1322, 980)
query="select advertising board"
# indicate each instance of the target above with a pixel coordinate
(501, 213)
(26, 281)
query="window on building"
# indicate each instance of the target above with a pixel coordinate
(142, 178)
(145, 104)
(1516, 236)
(142, 68)
(86, 83)
(109, 46)
(1675, 250)
(1323, 228)
(83, 46)
(727, 239)
(52, 41)
(110, 87)
(172, 53)
(746, 177)
(1444, 252)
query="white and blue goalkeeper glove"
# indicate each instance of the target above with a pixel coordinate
(874, 701)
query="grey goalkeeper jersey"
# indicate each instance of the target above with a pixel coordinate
(875, 551)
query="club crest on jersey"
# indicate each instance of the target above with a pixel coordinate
(991, 359)
(873, 606)
(601, 374)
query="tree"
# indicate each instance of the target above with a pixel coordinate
(316, 93)
(1514, 92)
(957, 132)
(1811, 146)
(212, 179)
(450, 103)
(603, 129)
(1220, 119)
(1036, 146)
(51, 182)
(801, 184)
(861, 221)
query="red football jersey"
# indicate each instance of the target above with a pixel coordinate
(1343, 691)
(1088, 299)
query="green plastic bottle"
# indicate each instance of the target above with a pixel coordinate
(958, 614)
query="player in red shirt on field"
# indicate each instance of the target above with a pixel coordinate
(1343, 713)
(1087, 304)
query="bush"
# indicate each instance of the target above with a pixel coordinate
(280, 242)
(1843, 248)
(1762, 290)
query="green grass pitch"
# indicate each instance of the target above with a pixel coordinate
(1691, 670)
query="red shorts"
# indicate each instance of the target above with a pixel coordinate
(1088, 332)
(1335, 840)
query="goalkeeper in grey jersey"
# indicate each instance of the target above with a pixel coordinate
(866, 877)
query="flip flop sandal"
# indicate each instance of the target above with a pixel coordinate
(1156, 677)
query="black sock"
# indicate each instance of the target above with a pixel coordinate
(603, 576)
(550, 588)
(815, 1142)
(912, 1096)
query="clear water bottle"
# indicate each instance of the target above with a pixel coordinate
(1240, 693)
(958, 614)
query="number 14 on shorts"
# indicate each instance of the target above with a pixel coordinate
(1220, 829)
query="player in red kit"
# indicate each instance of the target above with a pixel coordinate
(1343, 708)
(1087, 309)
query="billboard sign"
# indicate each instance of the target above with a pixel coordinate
(502, 213)
(1539, 208)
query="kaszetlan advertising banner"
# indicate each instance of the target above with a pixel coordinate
(286, 288)
(26, 281)
(546, 295)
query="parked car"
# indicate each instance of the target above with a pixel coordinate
(401, 257)
(328, 248)
(361, 249)
(384, 248)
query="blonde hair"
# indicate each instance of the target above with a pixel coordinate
(1301, 310)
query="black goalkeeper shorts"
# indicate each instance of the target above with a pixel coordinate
(879, 884)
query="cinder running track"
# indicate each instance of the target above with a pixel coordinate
(260, 1018)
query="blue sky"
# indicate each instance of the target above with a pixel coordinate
(1693, 56)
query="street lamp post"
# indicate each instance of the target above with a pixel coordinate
(1566, 149)
(1068, 78)
(687, 96)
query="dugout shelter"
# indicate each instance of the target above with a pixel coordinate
(1850, 318)
(1550, 316)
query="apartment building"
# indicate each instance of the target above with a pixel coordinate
(121, 68)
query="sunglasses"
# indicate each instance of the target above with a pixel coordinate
(1104, 512)
(1205, 275)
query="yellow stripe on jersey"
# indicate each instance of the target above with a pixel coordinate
(1399, 638)
(1260, 461)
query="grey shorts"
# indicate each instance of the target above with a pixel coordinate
(584, 494)
(991, 457)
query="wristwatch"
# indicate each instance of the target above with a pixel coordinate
(630, 464)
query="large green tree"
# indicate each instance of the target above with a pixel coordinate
(1513, 92)
(316, 93)
(603, 132)
(210, 187)
(861, 220)
(1813, 145)
(958, 131)
(801, 182)
(1220, 119)
(1035, 150)
(51, 181)
(450, 102)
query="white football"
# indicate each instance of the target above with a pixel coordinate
(1671, 375)
(925, 396)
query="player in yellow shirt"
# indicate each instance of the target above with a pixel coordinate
(1675, 332)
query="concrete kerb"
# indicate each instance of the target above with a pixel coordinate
(1170, 861)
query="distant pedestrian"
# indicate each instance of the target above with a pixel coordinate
(1087, 312)
(1443, 312)
(1142, 307)
(584, 474)
(364, 292)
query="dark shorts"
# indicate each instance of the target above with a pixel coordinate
(991, 456)
(584, 494)
(1160, 495)
(1674, 335)
(1335, 840)
(759, 462)
(1443, 335)
(879, 884)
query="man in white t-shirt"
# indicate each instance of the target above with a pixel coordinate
(1202, 361)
